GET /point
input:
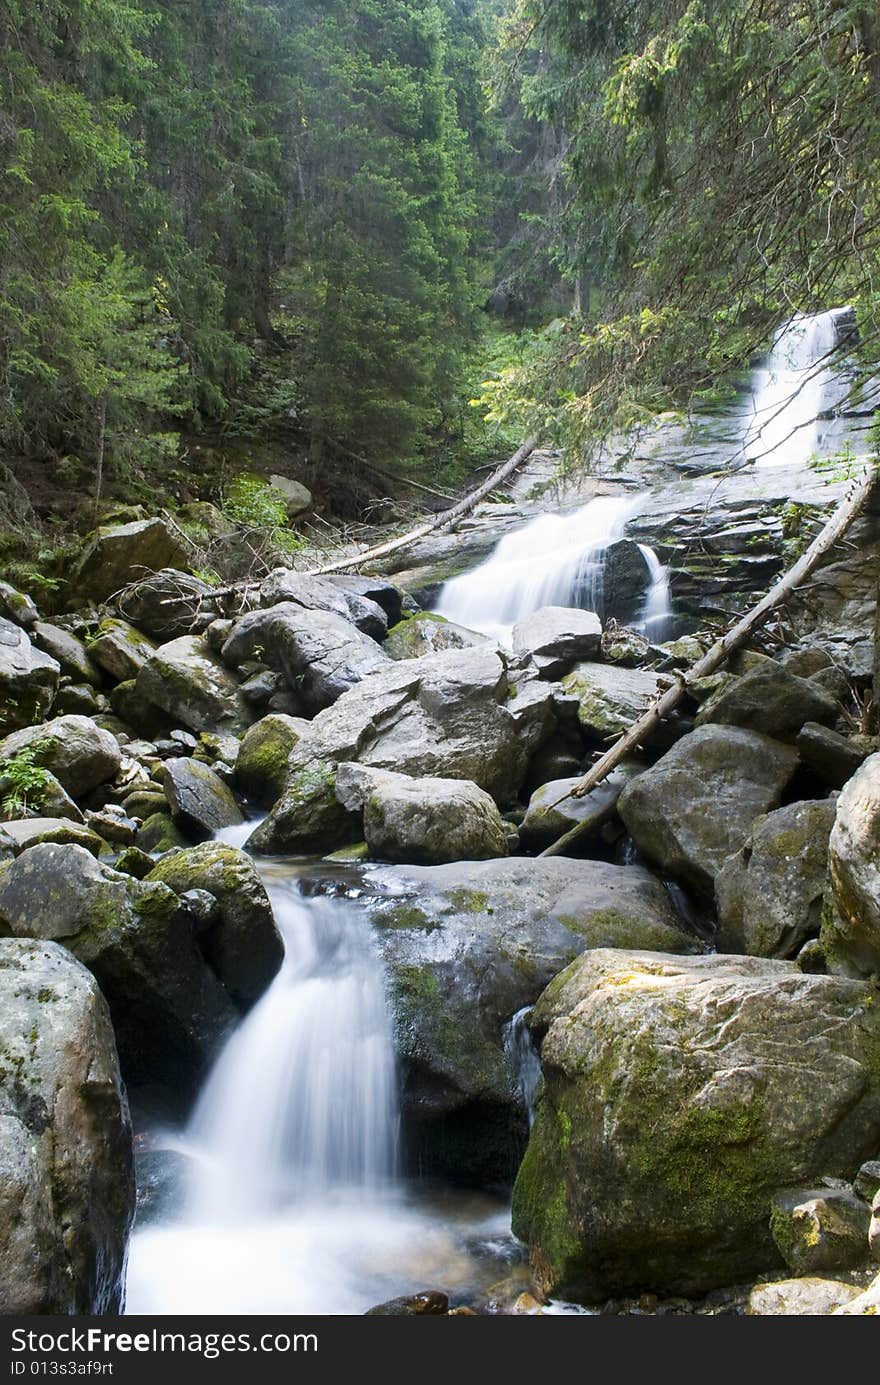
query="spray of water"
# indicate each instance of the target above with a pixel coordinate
(792, 390)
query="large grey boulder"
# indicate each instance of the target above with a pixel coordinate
(770, 699)
(297, 497)
(553, 809)
(17, 607)
(769, 895)
(810, 1296)
(22, 833)
(321, 654)
(829, 755)
(467, 946)
(67, 650)
(200, 803)
(851, 932)
(424, 821)
(66, 1169)
(78, 753)
(168, 604)
(121, 553)
(169, 1009)
(261, 767)
(450, 715)
(243, 944)
(120, 650)
(696, 805)
(322, 594)
(610, 697)
(557, 637)
(679, 1094)
(28, 679)
(187, 682)
(390, 597)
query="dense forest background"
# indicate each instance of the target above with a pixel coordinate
(388, 236)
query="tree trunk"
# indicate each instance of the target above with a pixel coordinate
(642, 730)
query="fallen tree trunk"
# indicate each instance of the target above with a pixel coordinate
(439, 522)
(648, 723)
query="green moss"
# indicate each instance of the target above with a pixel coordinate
(407, 916)
(469, 901)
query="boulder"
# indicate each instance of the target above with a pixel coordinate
(66, 1170)
(553, 810)
(321, 654)
(261, 767)
(447, 715)
(679, 1094)
(28, 679)
(242, 944)
(170, 1011)
(17, 607)
(200, 803)
(556, 637)
(696, 805)
(851, 932)
(118, 554)
(769, 895)
(867, 1181)
(467, 946)
(67, 650)
(610, 697)
(865, 1305)
(78, 699)
(427, 633)
(322, 594)
(819, 1229)
(297, 497)
(626, 580)
(158, 834)
(186, 681)
(391, 598)
(422, 821)
(810, 1296)
(168, 604)
(78, 753)
(769, 699)
(120, 650)
(22, 833)
(832, 757)
(46, 797)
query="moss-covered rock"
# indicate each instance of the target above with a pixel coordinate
(200, 803)
(819, 1229)
(851, 930)
(119, 553)
(78, 753)
(679, 1095)
(243, 944)
(772, 700)
(186, 681)
(158, 834)
(611, 698)
(120, 649)
(424, 821)
(261, 767)
(427, 633)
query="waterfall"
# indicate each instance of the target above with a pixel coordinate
(792, 390)
(554, 560)
(525, 1064)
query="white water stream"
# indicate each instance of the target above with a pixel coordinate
(798, 383)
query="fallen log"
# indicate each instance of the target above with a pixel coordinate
(642, 730)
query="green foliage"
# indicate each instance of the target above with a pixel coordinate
(24, 781)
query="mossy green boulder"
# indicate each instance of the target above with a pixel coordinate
(679, 1095)
(261, 767)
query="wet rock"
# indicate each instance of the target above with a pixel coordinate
(28, 679)
(467, 946)
(851, 933)
(427, 633)
(22, 833)
(769, 895)
(169, 604)
(696, 805)
(17, 607)
(243, 944)
(78, 753)
(200, 803)
(828, 754)
(67, 651)
(66, 1181)
(866, 1305)
(448, 715)
(867, 1181)
(819, 1229)
(132, 861)
(192, 687)
(556, 637)
(626, 578)
(120, 650)
(121, 553)
(610, 697)
(425, 821)
(679, 1095)
(771, 700)
(158, 834)
(261, 766)
(169, 1010)
(809, 1296)
(322, 594)
(320, 654)
(553, 810)
(431, 1303)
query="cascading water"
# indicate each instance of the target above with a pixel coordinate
(798, 383)
(523, 1059)
(555, 560)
